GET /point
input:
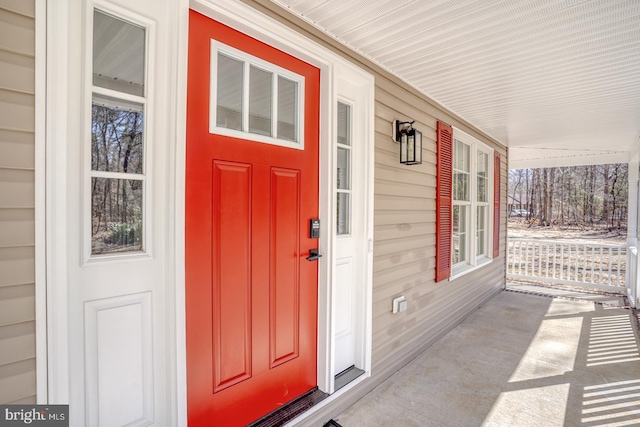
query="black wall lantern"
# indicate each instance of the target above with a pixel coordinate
(410, 141)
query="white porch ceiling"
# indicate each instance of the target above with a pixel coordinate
(558, 81)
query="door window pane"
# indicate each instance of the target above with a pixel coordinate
(116, 215)
(287, 109)
(260, 101)
(229, 93)
(344, 169)
(117, 139)
(118, 54)
(343, 210)
(344, 124)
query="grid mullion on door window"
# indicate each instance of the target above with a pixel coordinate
(245, 96)
(274, 105)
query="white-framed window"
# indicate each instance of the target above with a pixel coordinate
(343, 170)
(254, 99)
(471, 210)
(118, 135)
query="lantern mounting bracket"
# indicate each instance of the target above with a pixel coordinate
(401, 127)
(410, 140)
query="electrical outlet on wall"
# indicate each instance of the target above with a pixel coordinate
(400, 304)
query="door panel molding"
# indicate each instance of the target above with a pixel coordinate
(284, 283)
(232, 188)
(119, 360)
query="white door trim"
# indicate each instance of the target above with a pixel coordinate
(56, 131)
(40, 199)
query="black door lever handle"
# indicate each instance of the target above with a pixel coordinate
(313, 255)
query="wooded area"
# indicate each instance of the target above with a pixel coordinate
(117, 145)
(576, 195)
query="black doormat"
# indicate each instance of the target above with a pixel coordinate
(291, 410)
(332, 423)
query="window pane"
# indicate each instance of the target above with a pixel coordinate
(482, 169)
(459, 247)
(461, 171)
(482, 163)
(116, 215)
(344, 124)
(344, 169)
(260, 97)
(482, 189)
(481, 230)
(117, 139)
(118, 54)
(287, 109)
(229, 93)
(461, 186)
(461, 156)
(343, 218)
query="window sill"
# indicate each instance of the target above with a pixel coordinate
(462, 270)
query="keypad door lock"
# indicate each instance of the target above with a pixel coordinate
(314, 228)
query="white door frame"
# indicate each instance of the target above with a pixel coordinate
(249, 21)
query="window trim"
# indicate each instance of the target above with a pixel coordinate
(473, 261)
(146, 101)
(249, 61)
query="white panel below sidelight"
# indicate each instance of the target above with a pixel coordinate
(118, 334)
(344, 315)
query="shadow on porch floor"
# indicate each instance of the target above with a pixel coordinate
(520, 360)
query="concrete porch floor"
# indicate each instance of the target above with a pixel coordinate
(520, 360)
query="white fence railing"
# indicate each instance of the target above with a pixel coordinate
(572, 263)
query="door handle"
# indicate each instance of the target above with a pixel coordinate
(314, 255)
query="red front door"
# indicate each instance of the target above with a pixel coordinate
(251, 296)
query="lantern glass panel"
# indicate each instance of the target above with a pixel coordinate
(403, 148)
(411, 147)
(418, 145)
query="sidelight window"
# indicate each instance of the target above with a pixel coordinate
(117, 174)
(343, 173)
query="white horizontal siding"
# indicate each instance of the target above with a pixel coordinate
(404, 244)
(17, 192)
